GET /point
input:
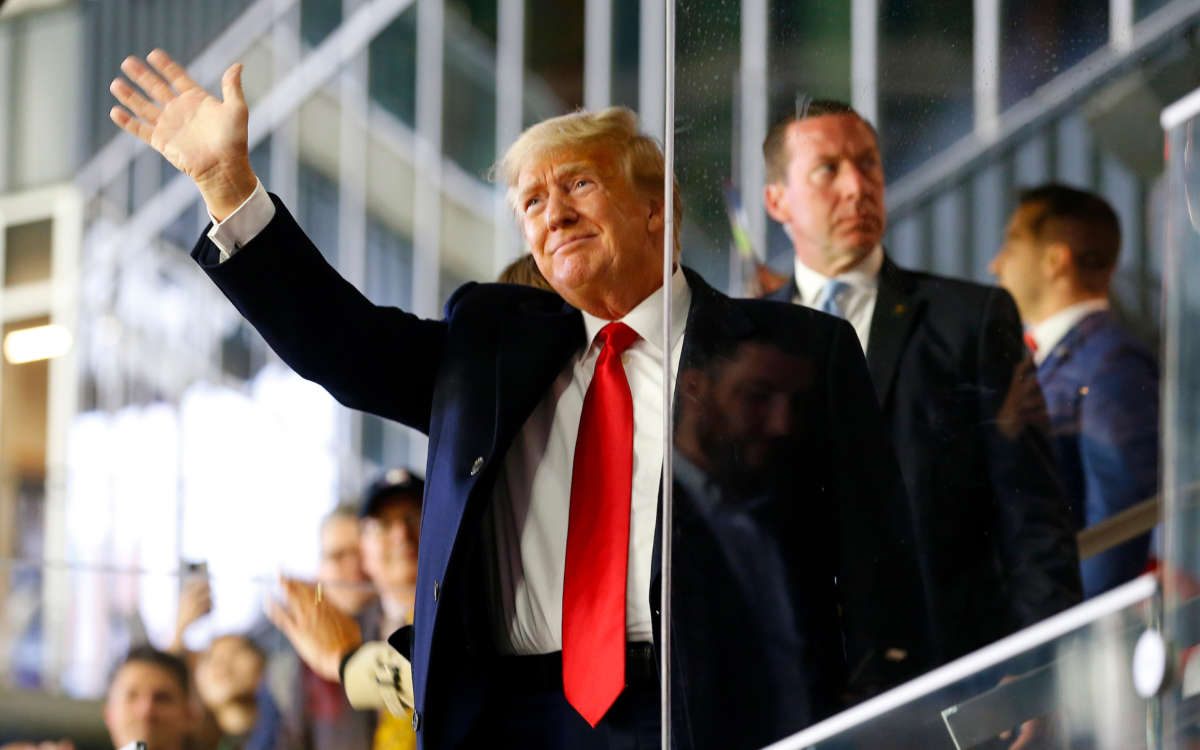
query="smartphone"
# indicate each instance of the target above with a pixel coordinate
(136, 745)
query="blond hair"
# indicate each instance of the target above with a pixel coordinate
(615, 127)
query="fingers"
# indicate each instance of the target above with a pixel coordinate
(149, 81)
(171, 70)
(131, 124)
(135, 102)
(231, 85)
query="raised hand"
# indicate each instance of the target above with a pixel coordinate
(200, 135)
(320, 632)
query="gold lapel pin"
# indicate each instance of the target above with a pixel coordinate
(898, 309)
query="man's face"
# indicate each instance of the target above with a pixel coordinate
(389, 543)
(145, 702)
(747, 408)
(832, 198)
(341, 564)
(591, 233)
(1018, 265)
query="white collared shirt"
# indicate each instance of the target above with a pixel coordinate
(1051, 331)
(532, 499)
(857, 302)
(532, 496)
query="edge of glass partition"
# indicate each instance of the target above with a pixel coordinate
(1110, 602)
(1181, 111)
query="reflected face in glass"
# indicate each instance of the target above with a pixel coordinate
(736, 412)
(147, 703)
(229, 669)
(389, 543)
(832, 199)
(595, 238)
(1017, 266)
(341, 563)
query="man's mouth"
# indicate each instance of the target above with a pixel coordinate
(567, 244)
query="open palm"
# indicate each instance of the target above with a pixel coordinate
(200, 135)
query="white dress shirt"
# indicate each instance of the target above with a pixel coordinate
(529, 515)
(1050, 331)
(857, 302)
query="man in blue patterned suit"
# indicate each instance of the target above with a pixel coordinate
(1100, 383)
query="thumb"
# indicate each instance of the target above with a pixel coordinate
(231, 85)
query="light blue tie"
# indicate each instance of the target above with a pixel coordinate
(831, 294)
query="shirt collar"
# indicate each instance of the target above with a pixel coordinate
(646, 318)
(1051, 331)
(864, 276)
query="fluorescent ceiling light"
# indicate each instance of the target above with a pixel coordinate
(39, 342)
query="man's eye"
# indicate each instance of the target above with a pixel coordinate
(582, 182)
(531, 202)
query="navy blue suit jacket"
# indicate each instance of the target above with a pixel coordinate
(1101, 387)
(995, 539)
(471, 380)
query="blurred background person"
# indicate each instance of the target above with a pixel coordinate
(147, 701)
(229, 682)
(391, 527)
(1100, 382)
(524, 271)
(315, 710)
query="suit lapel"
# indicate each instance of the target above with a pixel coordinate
(531, 355)
(896, 311)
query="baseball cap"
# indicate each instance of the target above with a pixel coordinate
(392, 482)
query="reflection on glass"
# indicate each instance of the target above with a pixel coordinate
(788, 545)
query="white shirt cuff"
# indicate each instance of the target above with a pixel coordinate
(243, 224)
(377, 676)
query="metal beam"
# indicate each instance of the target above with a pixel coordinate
(987, 68)
(752, 108)
(597, 54)
(864, 58)
(651, 66)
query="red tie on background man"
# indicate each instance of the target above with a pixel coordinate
(1030, 342)
(593, 616)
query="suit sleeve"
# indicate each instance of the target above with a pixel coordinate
(1037, 539)
(380, 360)
(1118, 446)
(876, 556)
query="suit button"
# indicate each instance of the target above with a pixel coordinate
(416, 722)
(436, 589)
(477, 466)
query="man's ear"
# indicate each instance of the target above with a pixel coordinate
(1056, 259)
(773, 199)
(655, 221)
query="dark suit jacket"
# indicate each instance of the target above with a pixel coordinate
(471, 380)
(1101, 387)
(996, 545)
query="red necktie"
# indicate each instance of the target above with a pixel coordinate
(593, 616)
(1030, 343)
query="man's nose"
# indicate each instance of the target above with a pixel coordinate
(560, 212)
(853, 181)
(779, 416)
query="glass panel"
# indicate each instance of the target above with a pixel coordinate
(1071, 687)
(925, 80)
(1181, 438)
(1034, 47)
(1143, 8)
